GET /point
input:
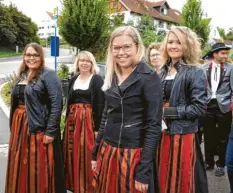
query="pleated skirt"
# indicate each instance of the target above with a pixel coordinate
(78, 143)
(116, 169)
(180, 164)
(32, 166)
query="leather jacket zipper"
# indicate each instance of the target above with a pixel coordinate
(122, 116)
(133, 124)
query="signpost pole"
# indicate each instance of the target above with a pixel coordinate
(55, 29)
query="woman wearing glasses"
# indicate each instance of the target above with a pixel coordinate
(123, 157)
(180, 163)
(34, 159)
(84, 110)
(153, 56)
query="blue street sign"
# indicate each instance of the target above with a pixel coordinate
(54, 46)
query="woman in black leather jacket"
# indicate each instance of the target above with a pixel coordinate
(180, 163)
(123, 157)
(34, 158)
(84, 111)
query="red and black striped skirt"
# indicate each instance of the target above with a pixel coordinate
(116, 169)
(30, 167)
(78, 143)
(180, 164)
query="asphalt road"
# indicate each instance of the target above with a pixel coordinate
(12, 64)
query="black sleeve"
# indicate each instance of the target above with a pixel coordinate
(71, 83)
(197, 90)
(231, 85)
(153, 120)
(98, 102)
(54, 90)
(14, 104)
(100, 132)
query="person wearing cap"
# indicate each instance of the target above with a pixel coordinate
(217, 122)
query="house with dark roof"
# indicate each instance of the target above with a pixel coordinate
(164, 16)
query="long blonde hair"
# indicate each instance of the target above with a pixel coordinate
(191, 45)
(111, 66)
(89, 55)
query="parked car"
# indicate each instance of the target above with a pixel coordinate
(102, 69)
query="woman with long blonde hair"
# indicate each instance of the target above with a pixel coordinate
(180, 163)
(123, 157)
(84, 110)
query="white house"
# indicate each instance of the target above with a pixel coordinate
(131, 10)
(47, 26)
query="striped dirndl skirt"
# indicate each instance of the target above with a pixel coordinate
(78, 143)
(116, 169)
(180, 164)
(31, 166)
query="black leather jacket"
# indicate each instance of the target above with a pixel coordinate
(132, 117)
(43, 100)
(188, 98)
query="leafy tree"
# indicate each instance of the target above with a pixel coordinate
(147, 30)
(229, 35)
(7, 27)
(83, 22)
(25, 28)
(16, 28)
(193, 17)
(100, 47)
(221, 32)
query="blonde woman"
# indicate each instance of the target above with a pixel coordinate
(131, 124)
(180, 163)
(84, 109)
(154, 56)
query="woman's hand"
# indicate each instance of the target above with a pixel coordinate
(47, 139)
(141, 187)
(96, 134)
(93, 165)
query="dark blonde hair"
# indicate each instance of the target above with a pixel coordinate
(190, 42)
(152, 46)
(23, 69)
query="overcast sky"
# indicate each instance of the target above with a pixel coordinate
(221, 12)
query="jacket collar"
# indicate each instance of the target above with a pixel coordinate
(209, 70)
(141, 68)
(178, 66)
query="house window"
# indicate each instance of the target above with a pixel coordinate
(164, 11)
(169, 26)
(161, 24)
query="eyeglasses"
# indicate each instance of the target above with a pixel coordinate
(87, 61)
(125, 48)
(32, 55)
(155, 55)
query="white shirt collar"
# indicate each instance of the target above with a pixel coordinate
(215, 65)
